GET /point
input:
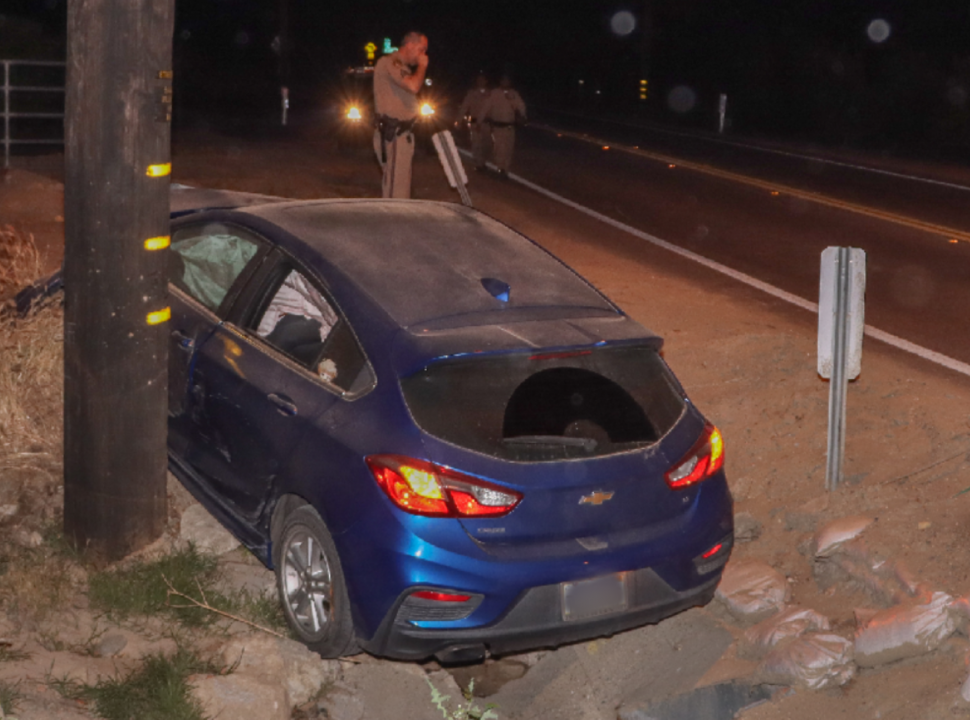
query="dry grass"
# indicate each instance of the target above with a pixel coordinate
(38, 583)
(31, 436)
(31, 366)
(20, 260)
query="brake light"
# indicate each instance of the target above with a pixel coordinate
(422, 488)
(700, 462)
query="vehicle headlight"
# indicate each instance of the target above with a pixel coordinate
(353, 113)
(427, 109)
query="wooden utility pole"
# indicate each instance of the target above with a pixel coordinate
(645, 48)
(117, 166)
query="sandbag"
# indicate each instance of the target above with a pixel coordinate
(790, 623)
(833, 536)
(752, 590)
(814, 661)
(905, 631)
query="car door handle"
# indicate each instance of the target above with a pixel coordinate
(184, 341)
(283, 404)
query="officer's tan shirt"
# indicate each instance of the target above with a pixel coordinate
(391, 97)
(502, 105)
(474, 104)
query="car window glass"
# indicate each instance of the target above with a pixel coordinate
(205, 262)
(298, 321)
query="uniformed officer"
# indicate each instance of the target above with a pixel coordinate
(473, 109)
(503, 110)
(397, 79)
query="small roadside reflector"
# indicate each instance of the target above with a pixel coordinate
(160, 170)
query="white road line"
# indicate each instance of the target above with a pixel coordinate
(787, 153)
(875, 333)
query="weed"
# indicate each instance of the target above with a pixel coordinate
(9, 695)
(51, 641)
(67, 687)
(261, 608)
(10, 654)
(184, 586)
(143, 588)
(159, 690)
(57, 541)
(37, 581)
(466, 711)
(89, 646)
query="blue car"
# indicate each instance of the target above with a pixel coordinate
(443, 440)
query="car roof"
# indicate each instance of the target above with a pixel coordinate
(423, 261)
(184, 199)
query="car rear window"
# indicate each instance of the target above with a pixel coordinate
(548, 406)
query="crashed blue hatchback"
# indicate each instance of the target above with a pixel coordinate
(443, 440)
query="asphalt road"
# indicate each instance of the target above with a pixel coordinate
(769, 214)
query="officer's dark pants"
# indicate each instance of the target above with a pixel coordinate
(397, 169)
(503, 139)
(481, 140)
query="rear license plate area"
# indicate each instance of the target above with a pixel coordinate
(594, 597)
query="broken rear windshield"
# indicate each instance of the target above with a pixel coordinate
(548, 406)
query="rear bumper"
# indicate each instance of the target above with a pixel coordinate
(535, 621)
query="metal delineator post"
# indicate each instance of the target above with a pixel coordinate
(840, 330)
(839, 382)
(444, 143)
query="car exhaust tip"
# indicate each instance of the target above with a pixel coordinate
(461, 655)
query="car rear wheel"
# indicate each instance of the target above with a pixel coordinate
(311, 585)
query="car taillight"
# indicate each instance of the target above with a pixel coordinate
(440, 596)
(700, 462)
(422, 488)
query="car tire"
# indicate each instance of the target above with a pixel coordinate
(311, 585)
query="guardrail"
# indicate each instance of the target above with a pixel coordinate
(8, 113)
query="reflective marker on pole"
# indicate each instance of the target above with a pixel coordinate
(158, 243)
(841, 322)
(721, 112)
(159, 316)
(160, 170)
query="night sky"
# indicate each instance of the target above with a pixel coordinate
(893, 74)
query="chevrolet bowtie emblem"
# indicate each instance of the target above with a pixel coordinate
(596, 498)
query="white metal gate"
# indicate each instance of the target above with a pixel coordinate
(8, 113)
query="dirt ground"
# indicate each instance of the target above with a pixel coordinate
(746, 360)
